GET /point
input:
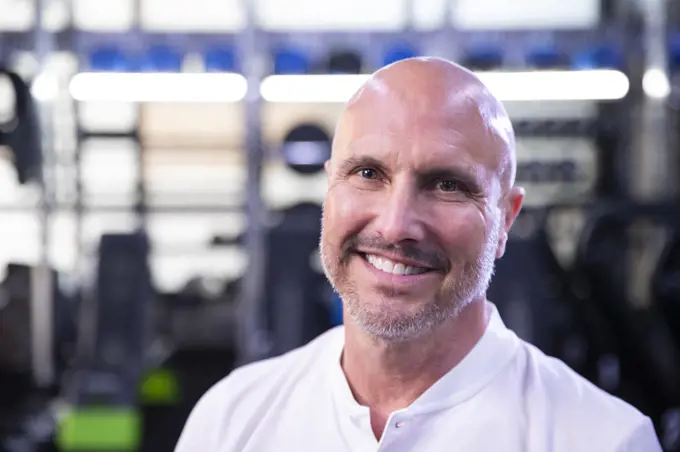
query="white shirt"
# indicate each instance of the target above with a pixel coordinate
(506, 395)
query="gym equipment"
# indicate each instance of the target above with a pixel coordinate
(647, 350)
(15, 321)
(398, 52)
(546, 57)
(22, 134)
(554, 314)
(599, 56)
(306, 148)
(197, 327)
(184, 378)
(343, 62)
(161, 59)
(23, 405)
(483, 57)
(103, 390)
(197, 317)
(110, 59)
(336, 309)
(583, 313)
(297, 295)
(666, 285)
(674, 52)
(15, 349)
(290, 61)
(220, 59)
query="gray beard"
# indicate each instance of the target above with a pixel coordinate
(392, 325)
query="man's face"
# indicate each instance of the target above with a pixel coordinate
(411, 221)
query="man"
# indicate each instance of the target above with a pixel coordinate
(420, 200)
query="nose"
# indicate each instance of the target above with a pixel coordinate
(399, 218)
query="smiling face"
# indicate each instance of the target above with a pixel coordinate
(415, 216)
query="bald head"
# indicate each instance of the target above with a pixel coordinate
(420, 180)
(431, 92)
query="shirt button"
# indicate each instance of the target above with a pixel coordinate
(399, 424)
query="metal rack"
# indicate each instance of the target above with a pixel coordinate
(253, 46)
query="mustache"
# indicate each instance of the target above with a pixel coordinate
(406, 250)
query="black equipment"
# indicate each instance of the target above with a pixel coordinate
(22, 133)
(112, 358)
(23, 415)
(584, 313)
(103, 389)
(306, 148)
(554, 312)
(343, 62)
(646, 345)
(297, 293)
(666, 285)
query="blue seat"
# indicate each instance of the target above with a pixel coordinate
(220, 60)
(336, 310)
(291, 61)
(674, 53)
(398, 52)
(110, 59)
(161, 59)
(545, 56)
(600, 56)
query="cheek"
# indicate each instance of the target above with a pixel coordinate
(463, 232)
(343, 213)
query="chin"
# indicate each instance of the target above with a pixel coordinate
(397, 318)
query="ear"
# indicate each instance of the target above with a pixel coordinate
(511, 206)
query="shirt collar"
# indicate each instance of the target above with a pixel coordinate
(487, 358)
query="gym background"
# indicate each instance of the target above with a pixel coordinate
(162, 176)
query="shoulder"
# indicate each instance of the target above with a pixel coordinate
(288, 367)
(577, 405)
(250, 390)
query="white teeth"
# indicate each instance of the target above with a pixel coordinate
(394, 268)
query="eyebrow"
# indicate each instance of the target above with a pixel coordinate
(467, 174)
(353, 163)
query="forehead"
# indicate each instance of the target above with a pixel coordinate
(420, 138)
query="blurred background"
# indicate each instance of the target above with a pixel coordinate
(162, 177)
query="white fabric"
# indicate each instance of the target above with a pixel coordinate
(506, 395)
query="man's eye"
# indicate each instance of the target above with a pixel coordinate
(448, 185)
(368, 173)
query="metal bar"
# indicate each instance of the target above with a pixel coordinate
(41, 277)
(168, 208)
(140, 207)
(78, 205)
(132, 134)
(651, 158)
(252, 341)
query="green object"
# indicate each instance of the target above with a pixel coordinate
(160, 387)
(95, 429)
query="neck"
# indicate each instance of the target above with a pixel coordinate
(388, 376)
